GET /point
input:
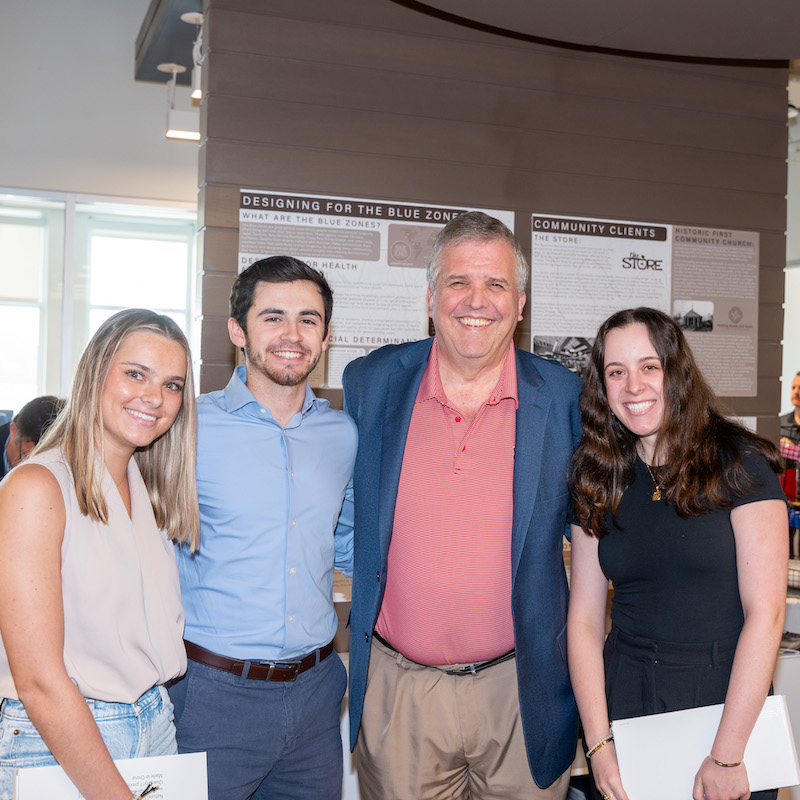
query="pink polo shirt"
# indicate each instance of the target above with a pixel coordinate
(448, 580)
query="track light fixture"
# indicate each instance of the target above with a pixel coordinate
(180, 124)
(195, 18)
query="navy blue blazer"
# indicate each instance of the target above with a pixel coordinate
(379, 394)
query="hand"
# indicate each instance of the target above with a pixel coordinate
(605, 771)
(713, 782)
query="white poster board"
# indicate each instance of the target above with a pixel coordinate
(178, 777)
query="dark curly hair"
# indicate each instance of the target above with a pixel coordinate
(700, 445)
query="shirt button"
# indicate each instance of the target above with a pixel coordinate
(291, 619)
(458, 419)
(294, 523)
(263, 410)
(292, 571)
(292, 474)
(366, 638)
(379, 576)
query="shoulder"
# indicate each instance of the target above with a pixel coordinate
(211, 410)
(389, 357)
(367, 376)
(557, 378)
(754, 461)
(210, 400)
(336, 420)
(32, 488)
(762, 482)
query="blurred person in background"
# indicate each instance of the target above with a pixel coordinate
(22, 434)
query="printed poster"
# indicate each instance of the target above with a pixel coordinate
(584, 269)
(372, 252)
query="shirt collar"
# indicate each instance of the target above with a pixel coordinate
(505, 389)
(238, 396)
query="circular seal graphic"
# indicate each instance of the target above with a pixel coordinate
(401, 251)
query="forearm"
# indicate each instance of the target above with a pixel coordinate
(585, 657)
(751, 676)
(67, 727)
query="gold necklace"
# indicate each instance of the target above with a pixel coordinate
(657, 493)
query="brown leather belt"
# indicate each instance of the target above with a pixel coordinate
(259, 670)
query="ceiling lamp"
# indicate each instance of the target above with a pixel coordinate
(180, 124)
(195, 18)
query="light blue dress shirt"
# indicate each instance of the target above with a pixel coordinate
(276, 510)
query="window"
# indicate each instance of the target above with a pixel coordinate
(66, 265)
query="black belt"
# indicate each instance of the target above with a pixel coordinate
(463, 669)
(473, 669)
(259, 671)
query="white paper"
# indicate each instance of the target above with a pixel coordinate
(659, 754)
(178, 777)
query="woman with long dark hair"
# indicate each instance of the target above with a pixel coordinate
(681, 508)
(90, 612)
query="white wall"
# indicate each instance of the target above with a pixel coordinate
(73, 118)
(791, 315)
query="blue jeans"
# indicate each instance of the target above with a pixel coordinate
(135, 730)
(264, 739)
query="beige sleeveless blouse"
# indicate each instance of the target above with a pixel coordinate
(123, 618)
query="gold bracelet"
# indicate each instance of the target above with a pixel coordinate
(149, 789)
(605, 740)
(723, 764)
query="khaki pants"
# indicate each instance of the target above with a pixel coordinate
(427, 735)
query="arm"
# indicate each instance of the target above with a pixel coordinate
(586, 622)
(761, 533)
(343, 535)
(32, 520)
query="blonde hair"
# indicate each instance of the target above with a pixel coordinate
(167, 464)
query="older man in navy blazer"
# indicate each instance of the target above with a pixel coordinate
(457, 643)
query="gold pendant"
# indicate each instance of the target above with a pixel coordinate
(656, 495)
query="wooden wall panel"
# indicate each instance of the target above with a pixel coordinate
(247, 122)
(272, 78)
(413, 178)
(372, 99)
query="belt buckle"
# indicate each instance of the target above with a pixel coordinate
(293, 666)
(467, 669)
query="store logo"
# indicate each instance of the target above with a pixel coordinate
(640, 262)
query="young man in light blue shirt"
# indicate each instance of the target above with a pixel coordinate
(263, 690)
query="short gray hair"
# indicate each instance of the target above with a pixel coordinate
(471, 226)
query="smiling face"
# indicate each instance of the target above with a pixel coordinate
(475, 304)
(285, 332)
(143, 391)
(634, 380)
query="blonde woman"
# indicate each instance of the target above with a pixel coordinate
(90, 612)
